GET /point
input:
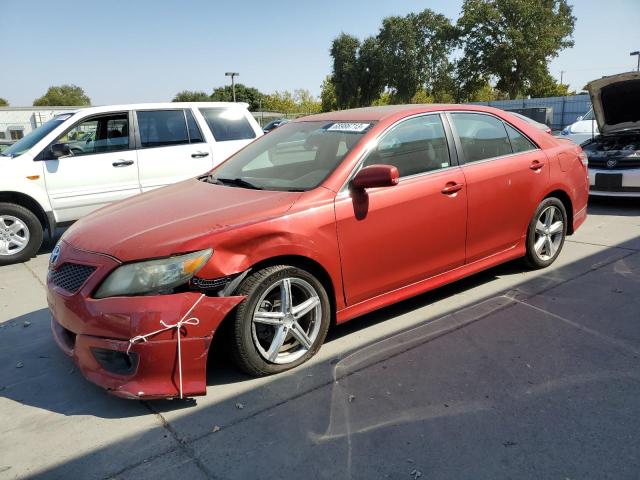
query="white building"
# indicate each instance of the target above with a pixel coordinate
(16, 122)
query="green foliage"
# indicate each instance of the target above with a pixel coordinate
(63, 95)
(512, 41)
(547, 86)
(298, 102)
(328, 95)
(344, 50)
(3, 102)
(191, 96)
(246, 94)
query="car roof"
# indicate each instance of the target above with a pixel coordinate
(392, 111)
(160, 105)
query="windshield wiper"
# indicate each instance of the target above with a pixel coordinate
(238, 182)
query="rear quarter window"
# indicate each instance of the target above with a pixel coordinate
(228, 124)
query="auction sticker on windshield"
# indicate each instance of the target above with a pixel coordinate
(348, 127)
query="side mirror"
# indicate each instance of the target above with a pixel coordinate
(60, 150)
(579, 119)
(375, 176)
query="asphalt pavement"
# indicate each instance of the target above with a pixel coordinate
(506, 374)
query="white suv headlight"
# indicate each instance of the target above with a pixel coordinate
(153, 275)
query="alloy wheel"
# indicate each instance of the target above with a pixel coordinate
(287, 320)
(14, 235)
(549, 233)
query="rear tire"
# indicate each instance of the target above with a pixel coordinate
(20, 234)
(275, 331)
(546, 233)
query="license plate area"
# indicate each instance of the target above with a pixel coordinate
(609, 181)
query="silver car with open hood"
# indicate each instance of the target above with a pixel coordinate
(614, 154)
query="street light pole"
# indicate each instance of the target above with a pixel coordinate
(233, 83)
(636, 53)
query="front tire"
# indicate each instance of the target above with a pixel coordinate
(20, 234)
(283, 321)
(546, 233)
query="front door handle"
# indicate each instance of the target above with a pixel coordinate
(199, 154)
(452, 187)
(122, 163)
(536, 165)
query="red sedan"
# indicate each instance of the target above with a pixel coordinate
(325, 219)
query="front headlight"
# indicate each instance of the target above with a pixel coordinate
(153, 275)
(566, 130)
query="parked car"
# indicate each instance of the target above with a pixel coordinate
(383, 204)
(538, 125)
(274, 124)
(83, 160)
(584, 128)
(614, 155)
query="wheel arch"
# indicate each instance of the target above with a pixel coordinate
(564, 197)
(308, 264)
(31, 204)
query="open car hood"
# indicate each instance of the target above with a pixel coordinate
(616, 102)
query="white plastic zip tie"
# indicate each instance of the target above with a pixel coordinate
(178, 325)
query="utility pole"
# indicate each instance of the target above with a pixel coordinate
(636, 53)
(561, 76)
(233, 83)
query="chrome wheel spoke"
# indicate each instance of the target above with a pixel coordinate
(549, 246)
(14, 235)
(18, 241)
(268, 318)
(539, 244)
(301, 336)
(556, 227)
(15, 227)
(285, 296)
(4, 248)
(276, 343)
(305, 307)
(540, 228)
(549, 217)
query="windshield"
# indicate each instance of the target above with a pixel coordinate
(589, 115)
(34, 136)
(295, 157)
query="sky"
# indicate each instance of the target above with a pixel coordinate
(144, 50)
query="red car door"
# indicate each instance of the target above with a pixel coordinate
(393, 236)
(506, 176)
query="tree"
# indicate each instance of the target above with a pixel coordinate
(305, 102)
(282, 102)
(63, 95)
(328, 95)
(344, 51)
(3, 102)
(512, 41)
(250, 95)
(370, 71)
(547, 86)
(191, 96)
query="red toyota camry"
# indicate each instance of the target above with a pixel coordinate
(324, 219)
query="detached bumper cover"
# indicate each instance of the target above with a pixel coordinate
(155, 373)
(86, 328)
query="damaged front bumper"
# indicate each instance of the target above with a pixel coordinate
(96, 333)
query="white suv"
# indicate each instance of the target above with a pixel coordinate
(82, 160)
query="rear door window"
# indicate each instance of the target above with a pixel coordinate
(519, 142)
(481, 136)
(162, 128)
(228, 124)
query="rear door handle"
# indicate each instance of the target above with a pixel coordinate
(536, 165)
(199, 154)
(122, 163)
(452, 188)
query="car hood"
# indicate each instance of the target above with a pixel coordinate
(584, 126)
(162, 222)
(615, 102)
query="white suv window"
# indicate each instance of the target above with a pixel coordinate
(102, 134)
(228, 124)
(162, 128)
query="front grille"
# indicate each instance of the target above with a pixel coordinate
(71, 276)
(620, 165)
